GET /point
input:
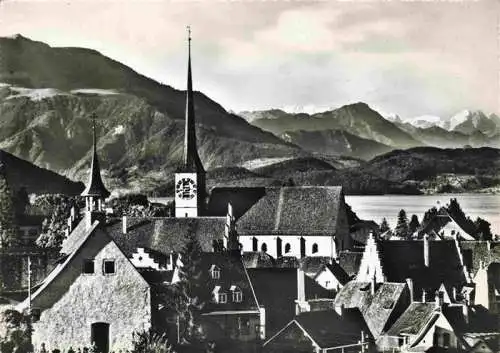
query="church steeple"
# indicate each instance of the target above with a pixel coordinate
(192, 162)
(95, 192)
(190, 183)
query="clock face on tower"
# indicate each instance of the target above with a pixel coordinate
(185, 188)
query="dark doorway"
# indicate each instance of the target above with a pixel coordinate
(100, 336)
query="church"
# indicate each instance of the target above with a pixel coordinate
(110, 270)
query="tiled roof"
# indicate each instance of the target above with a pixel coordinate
(377, 309)
(414, 319)
(165, 235)
(310, 210)
(73, 241)
(350, 261)
(476, 251)
(232, 274)
(241, 199)
(329, 329)
(405, 259)
(258, 259)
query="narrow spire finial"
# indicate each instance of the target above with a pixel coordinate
(188, 28)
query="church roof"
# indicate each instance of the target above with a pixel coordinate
(95, 186)
(241, 199)
(192, 161)
(308, 210)
(165, 235)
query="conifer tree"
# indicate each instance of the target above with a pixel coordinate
(384, 226)
(192, 289)
(414, 225)
(8, 229)
(401, 229)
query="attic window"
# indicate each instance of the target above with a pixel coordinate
(219, 296)
(222, 298)
(88, 267)
(214, 272)
(237, 294)
(108, 267)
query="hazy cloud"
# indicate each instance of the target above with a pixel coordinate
(409, 58)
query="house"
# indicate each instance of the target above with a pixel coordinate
(322, 331)
(487, 287)
(448, 225)
(331, 276)
(284, 292)
(421, 327)
(296, 221)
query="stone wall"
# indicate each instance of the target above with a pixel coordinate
(74, 301)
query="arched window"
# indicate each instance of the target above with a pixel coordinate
(237, 294)
(254, 244)
(315, 248)
(263, 247)
(287, 248)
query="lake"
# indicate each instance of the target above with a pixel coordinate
(486, 206)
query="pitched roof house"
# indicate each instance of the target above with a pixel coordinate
(321, 331)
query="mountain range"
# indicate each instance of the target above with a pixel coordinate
(47, 96)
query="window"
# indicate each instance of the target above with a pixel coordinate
(263, 248)
(243, 325)
(287, 248)
(254, 244)
(446, 340)
(88, 267)
(315, 248)
(214, 272)
(222, 298)
(108, 267)
(237, 294)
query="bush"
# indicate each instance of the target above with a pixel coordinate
(151, 342)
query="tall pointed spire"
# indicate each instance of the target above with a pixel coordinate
(192, 160)
(95, 187)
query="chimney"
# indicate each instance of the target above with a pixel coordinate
(426, 250)
(439, 299)
(339, 309)
(72, 213)
(301, 288)
(124, 224)
(373, 285)
(488, 246)
(454, 294)
(424, 296)
(409, 283)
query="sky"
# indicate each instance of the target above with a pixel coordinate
(402, 57)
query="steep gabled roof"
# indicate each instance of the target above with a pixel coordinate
(166, 235)
(414, 319)
(405, 259)
(306, 210)
(233, 276)
(350, 261)
(377, 309)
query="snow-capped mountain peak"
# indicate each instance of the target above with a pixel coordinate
(426, 121)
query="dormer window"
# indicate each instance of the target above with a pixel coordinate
(237, 294)
(215, 272)
(219, 296)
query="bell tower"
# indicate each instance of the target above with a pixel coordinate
(190, 181)
(95, 192)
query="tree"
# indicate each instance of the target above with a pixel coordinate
(414, 225)
(192, 290)
(483, 229)
(8, 229)
(401, 229)
(151, 342)
(15, 332)
(58, 207)
(384, 226)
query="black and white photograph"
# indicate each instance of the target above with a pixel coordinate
(254, 176)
